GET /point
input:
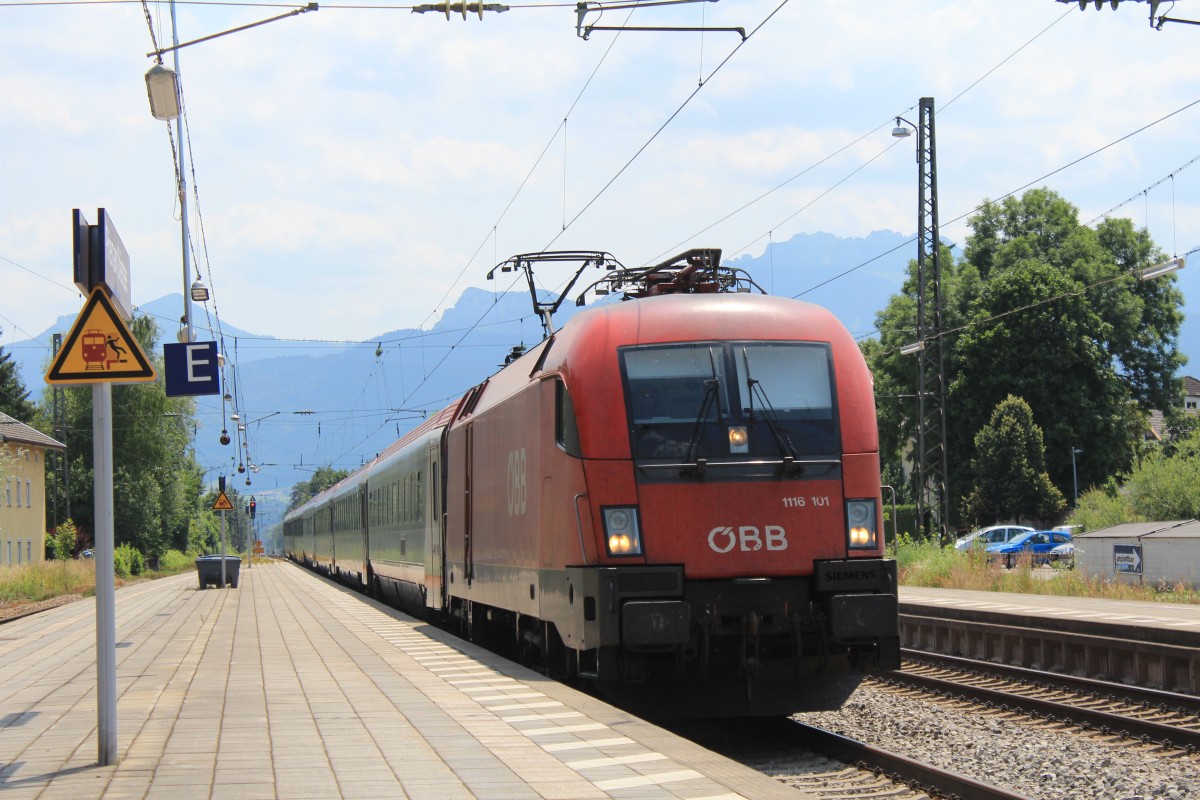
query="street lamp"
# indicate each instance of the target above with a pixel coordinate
(162, 85)
(199, 291)
(1074, 475)
(1158, 270)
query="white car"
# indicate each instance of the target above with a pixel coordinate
(996, 534)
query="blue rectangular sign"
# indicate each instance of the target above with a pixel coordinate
(191, 369)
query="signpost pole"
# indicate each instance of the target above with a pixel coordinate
(222, 548)
(101, 350)
(106, 620)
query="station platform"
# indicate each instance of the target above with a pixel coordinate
(1151, 620)
(293, 687)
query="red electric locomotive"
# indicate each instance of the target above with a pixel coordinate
(675, 498)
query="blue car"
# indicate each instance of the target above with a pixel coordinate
(1037, 544)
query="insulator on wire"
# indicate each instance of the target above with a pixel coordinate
(461, 8)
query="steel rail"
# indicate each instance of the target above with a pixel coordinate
(1136, 695)
(917, 775)
(1106, 723)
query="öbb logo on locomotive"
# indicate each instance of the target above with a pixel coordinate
(673, 502)
(748, 538)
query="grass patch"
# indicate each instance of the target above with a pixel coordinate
(30, 583)
(926, 564)
(43, 580)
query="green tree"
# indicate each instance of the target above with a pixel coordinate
(1161, 487)
(1010, 481)
(14, 398)
(62, 541)
(1167, 487)
(322, 479)
(1039, 338)
(1103, 507)
(1046, 308)
(156, 483)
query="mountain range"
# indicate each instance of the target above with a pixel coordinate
(307, 404)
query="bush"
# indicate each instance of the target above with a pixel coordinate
(174, 561)
(128, 561)
(62, 541)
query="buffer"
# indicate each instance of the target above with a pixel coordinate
(100, 349)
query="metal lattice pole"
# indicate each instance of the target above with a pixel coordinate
(932, 496)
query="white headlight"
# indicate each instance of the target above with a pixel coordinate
(861, 530)
(622, 536)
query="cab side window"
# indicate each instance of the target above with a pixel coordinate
(566, 433)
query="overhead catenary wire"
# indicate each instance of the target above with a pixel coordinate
(462, 344)
(1144, 192)
(1021, 188)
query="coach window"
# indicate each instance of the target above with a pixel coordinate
(566, 432)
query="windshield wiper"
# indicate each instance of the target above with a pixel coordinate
(712, 387)
(770, 417)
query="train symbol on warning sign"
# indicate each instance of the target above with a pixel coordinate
(96, 345)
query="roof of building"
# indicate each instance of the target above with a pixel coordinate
(13, 431)
(1191, 386)
(1136, 530)
(1156, 426)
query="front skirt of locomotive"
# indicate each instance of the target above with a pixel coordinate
(744, 647)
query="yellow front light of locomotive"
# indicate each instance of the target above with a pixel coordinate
(622, 533)
(618, 544)
(861, 537)
(738, 439)
(861, 527)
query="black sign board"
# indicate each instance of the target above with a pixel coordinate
(100, 259)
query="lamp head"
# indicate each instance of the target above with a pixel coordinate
(162, 86)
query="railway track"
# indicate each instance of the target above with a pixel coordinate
(1142, 721)
(826, 765)
(1130, 713)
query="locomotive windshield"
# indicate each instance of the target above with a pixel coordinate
(751, 407)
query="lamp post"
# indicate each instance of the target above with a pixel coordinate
(1074, 475)
(162, 85)
(931, 458)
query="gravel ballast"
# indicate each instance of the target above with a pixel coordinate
(1041, 761)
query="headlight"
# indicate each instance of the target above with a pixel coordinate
(622, 534)
(861, 530)
(738, 439)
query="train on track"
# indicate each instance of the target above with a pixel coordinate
(674, 500)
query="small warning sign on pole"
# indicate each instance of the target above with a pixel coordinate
(222, 503)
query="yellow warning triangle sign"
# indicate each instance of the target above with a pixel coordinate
(100, 349)
(222, 503)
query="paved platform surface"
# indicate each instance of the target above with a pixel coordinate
(1140, 614)
(291, 687)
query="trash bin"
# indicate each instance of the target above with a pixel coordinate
(209, 570)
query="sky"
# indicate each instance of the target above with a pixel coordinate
(351, 170)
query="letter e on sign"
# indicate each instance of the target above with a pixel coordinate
(191, 369)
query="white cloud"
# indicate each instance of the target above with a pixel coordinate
(371, 152)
